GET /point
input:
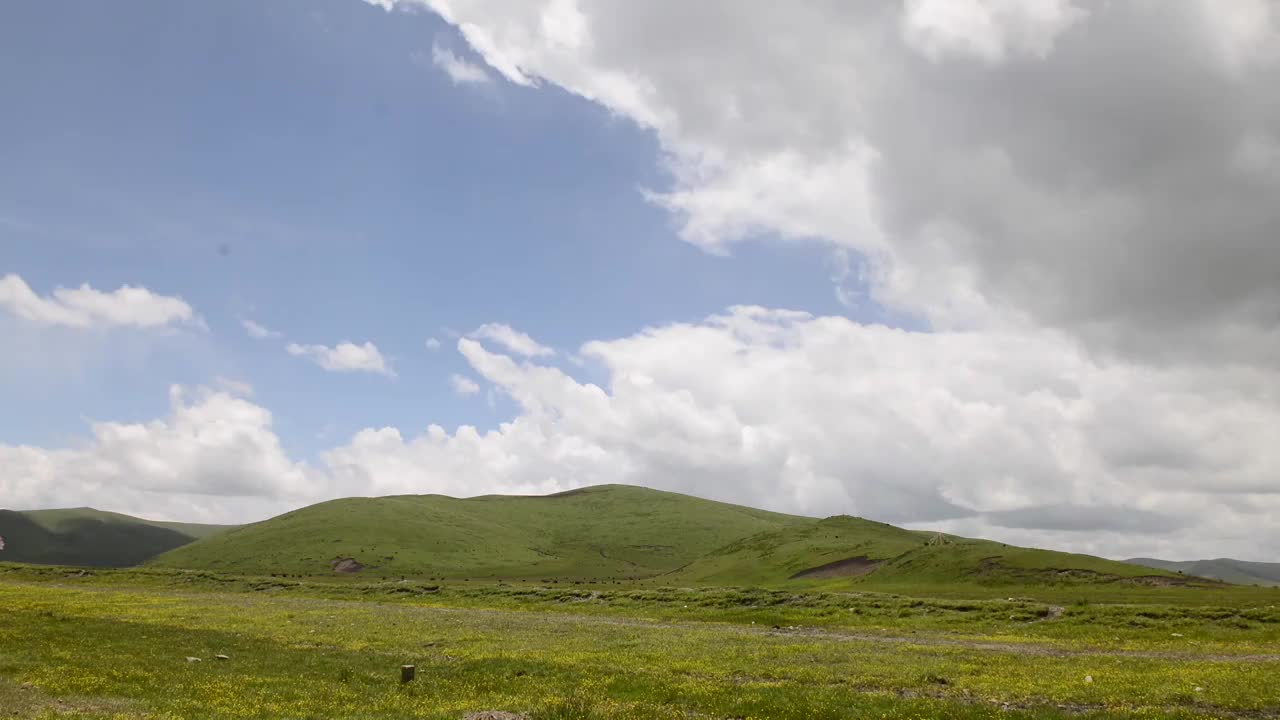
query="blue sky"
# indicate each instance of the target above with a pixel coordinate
(300, 165)
(1032, 247)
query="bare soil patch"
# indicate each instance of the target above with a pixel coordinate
(346, 565)
(849, 567)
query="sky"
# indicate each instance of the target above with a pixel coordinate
(1000, 268)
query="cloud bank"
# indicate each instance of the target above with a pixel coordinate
(1022, 438)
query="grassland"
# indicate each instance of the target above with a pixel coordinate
(115, 643)
(620, 602)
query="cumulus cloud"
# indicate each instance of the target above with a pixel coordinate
(433, 344)
(994, 161)
(459, 70)
(258, 332)
(85, 307)
(986, 29)
(464, 385)
(344, 357)
(215, 457)
(511, 339)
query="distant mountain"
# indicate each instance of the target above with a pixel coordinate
(84, 536)
(626, 532)
(1239, 572)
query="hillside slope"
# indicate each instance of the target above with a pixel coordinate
(848, 552)
(84, 536)
(836, 547)
(1239, 572)
(607, 531)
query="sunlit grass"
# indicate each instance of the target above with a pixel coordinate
(105, 648)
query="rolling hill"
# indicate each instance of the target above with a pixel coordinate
(845, 550)
(624, 532)
(606, 531)
(84, 536)
(1238, 572)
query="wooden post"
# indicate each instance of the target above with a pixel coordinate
(407, 673)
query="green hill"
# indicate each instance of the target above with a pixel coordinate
(847, 551)
(625, 532)
(84, 536)
(1239, 572)
(607, 531)
(836, 547)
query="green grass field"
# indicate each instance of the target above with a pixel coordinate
(624, 602)
(115, 643)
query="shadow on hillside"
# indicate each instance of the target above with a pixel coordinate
(84, 541)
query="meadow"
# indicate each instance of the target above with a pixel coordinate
(115, 644)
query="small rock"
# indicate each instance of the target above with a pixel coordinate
(193, 659)
(1175, 634)
(221, 657)
(1199, 689)
(1088, 678)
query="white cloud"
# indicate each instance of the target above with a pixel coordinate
(344, 357)
(512, 340)
(258, 332)
(464, 385)
(235, 387)
(459, 70)
(433, 344)
(987, 29)
(215, 457)
(84, 307)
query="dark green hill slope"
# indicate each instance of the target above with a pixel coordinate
(84, 536)
(607, 531)
(1239, 572)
